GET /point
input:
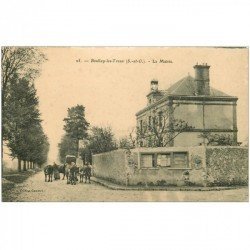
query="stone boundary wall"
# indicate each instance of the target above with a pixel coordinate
(227, 166)
(111, 166)
(207, 166)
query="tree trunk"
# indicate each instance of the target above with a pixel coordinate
(19, 165)
(24, 166)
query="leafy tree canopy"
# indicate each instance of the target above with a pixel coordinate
(76, 125)
(67, 146)
(218, 139)
(21, 62)
(101, 140)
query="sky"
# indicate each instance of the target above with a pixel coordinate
(112, 92)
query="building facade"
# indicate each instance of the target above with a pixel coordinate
(190, 101)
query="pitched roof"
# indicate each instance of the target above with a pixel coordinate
(186, 86)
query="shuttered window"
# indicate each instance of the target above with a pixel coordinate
(170, 160)
(180, 160)
(147, 161)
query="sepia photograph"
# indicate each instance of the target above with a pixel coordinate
(124, 124)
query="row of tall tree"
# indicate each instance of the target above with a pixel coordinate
(22, 131)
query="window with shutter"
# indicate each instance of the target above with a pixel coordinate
(147, 161)
(180, 160)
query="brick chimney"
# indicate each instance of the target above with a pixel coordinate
(154, 94)
(202, 79)
(154, 85)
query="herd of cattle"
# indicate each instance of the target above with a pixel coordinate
(71, 171)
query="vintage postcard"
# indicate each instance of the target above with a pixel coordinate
(124, 124)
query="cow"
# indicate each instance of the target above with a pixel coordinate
(48, 172)
(62, 170)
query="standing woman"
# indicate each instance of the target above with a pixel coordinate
(56, 172)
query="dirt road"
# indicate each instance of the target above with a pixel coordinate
(35, 189)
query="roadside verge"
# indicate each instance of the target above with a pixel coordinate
(114, 186)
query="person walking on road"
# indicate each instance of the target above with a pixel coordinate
(56, 171)
(87, 173)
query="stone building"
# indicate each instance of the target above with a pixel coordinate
(193, 100)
